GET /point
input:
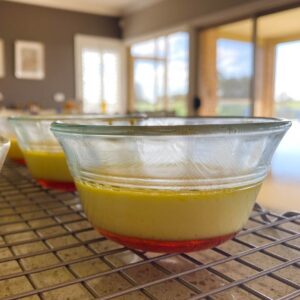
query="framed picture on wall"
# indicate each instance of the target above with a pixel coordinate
(2, 68)
(29, 60)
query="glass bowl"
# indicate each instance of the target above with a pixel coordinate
(44, 156)
(15, 153)
(170, 184)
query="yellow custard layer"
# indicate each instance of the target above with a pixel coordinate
(167, 215)
(15, 151)
(50, 166)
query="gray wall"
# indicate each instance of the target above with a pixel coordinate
(172, 13)
(56, 29)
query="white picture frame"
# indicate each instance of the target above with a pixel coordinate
(2, 65)
(29, 60)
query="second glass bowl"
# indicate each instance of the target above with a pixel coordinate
(4, 148)
(15, 153)
(44, 156)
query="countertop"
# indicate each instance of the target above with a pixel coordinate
(281, 190)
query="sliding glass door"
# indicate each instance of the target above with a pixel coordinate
(251, 67)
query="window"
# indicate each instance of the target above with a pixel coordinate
(98, 74)
(234, 68)
(160, 74)
(226, 69)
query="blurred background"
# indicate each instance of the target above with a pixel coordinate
(162, 57)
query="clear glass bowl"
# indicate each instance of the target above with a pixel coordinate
(170, 184)
(15, 153)
(44, 156)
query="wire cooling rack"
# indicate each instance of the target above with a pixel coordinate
(48, 250)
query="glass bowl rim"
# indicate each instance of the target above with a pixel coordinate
(255, 124)
(55, 117)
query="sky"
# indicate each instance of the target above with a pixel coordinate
(234, 58)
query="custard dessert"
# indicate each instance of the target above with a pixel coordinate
(165, 220)
(15, 153)
(49, 168)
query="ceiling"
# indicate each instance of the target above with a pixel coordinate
(101, 7)
(286, 23)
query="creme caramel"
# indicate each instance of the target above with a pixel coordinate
(50, 166)
(165, 215)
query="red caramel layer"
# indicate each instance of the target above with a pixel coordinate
(20, 161)
(65, 186)
(166, 246)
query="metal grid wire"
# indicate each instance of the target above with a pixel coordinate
(48, 250)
